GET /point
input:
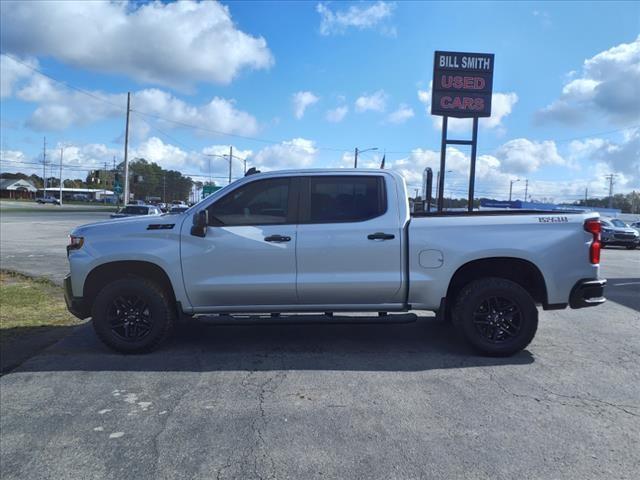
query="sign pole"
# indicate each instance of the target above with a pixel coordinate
(472, 173)
(443, 154)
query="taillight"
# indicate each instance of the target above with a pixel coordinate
(594, 227)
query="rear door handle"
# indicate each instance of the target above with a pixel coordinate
(277, 238)
(381, 236)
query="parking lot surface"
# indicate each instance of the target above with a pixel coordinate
(34, 242)
(330, 401)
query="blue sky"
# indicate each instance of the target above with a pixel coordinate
(302, 84)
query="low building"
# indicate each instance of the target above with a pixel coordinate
(80, 194)
(17, 188)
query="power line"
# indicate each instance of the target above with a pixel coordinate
(257, 139)
(62, 82)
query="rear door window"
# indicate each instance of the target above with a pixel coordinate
(348, 198)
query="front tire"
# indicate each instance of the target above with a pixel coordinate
(496, 316)
(133, 315)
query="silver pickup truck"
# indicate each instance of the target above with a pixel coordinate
(331, 241)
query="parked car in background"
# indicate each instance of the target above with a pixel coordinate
(635, 226)
(178, 209)
(616, 232)
(49, 200)
(137, 210)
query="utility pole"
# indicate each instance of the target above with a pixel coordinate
(44, 168)
(358, 151)
(126, 153)
(586, 195)
(611, 176)
(230, 160)
(61, 150)
(511, 182)
(526, 188)
(104, 185)
(164, 188)
(245, 165)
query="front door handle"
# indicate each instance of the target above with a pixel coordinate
(277, 238)
(381, 236)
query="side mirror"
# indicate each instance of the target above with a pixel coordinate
(200, 223)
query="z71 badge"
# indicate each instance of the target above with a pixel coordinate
(553, 219)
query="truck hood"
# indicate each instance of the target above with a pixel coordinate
(621, 229)
(116, 226)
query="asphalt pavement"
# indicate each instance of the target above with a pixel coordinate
(392, 401)
(34, 242)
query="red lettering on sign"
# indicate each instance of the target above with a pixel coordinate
(462, 83)
(461, 103)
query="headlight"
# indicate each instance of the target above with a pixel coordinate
(75, 243)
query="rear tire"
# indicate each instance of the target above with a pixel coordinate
(496, 316)
(133, 315)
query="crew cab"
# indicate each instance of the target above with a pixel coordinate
(331, 241)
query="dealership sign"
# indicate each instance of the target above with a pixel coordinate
(462, 84)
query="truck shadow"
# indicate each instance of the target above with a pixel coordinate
(426, 344)
(624, 291)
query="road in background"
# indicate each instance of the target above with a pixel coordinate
(332, 401)
(34, 242)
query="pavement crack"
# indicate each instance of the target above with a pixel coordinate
(169, 415)
(586, 402)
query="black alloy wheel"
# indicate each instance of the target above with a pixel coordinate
(133, 315)
(497, 319)
(129, 317)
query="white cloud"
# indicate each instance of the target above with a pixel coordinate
(295, 153)
(218, 114)
(401, 115)
(337, 114)
(501, 107)
(175, 44)
(360, 17)
(622, 158)
(60, 108)
(522, 155)
(302, 100)
(377, 102)
(11, 158)
(13, 72)
(544, 17)
(609, 84)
